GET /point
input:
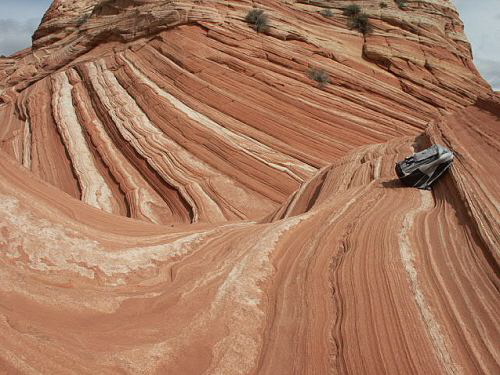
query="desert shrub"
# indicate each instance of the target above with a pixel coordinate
(361, 23)
(382, 5)
(352, 10)
(327, 13)
(258, 19)
(400, 3)
(319, 75)
(82, 19)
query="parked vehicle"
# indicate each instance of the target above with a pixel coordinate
(422, 169)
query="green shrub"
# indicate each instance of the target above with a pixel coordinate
(319, 75)
(81, 20)
(361, 23)
(401, 4)
(352, 10)
(258, 19)
(327, 13)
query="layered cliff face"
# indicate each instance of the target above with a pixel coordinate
(178, 196)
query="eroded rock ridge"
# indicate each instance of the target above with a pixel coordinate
(178, 196)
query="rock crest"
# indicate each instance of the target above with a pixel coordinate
(178, 196)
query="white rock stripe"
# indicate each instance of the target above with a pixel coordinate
(27, 145)
(145, 201)
(238, 351)
(407, 256)
(95, 190)
(243, 143)
(164, 155)
(58, 248)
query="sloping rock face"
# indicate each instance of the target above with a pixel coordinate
(178, 196)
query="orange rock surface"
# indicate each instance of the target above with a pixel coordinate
(177, 196)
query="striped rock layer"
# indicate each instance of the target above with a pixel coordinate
(178, 196)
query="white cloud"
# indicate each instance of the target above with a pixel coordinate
(490, 69)
(16, 35)
(24, 9)
(482, 26)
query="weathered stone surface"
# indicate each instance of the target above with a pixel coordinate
(178, 196)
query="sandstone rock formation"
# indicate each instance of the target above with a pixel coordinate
(177, 196)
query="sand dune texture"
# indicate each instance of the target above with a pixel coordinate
(177, 196)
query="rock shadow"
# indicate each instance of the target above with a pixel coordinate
(394, 184)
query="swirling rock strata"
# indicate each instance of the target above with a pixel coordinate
(177, 196)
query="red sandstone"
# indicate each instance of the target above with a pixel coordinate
(178, 197)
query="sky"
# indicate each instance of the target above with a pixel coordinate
(18, 21)
(20, 18)
(482, 26)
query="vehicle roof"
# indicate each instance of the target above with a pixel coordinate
(431, 151)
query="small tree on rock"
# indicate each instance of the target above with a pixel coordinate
(319, 75)
(258, 19)
(401, 4)
(327, 13)
(361, 23)
(352, 10)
